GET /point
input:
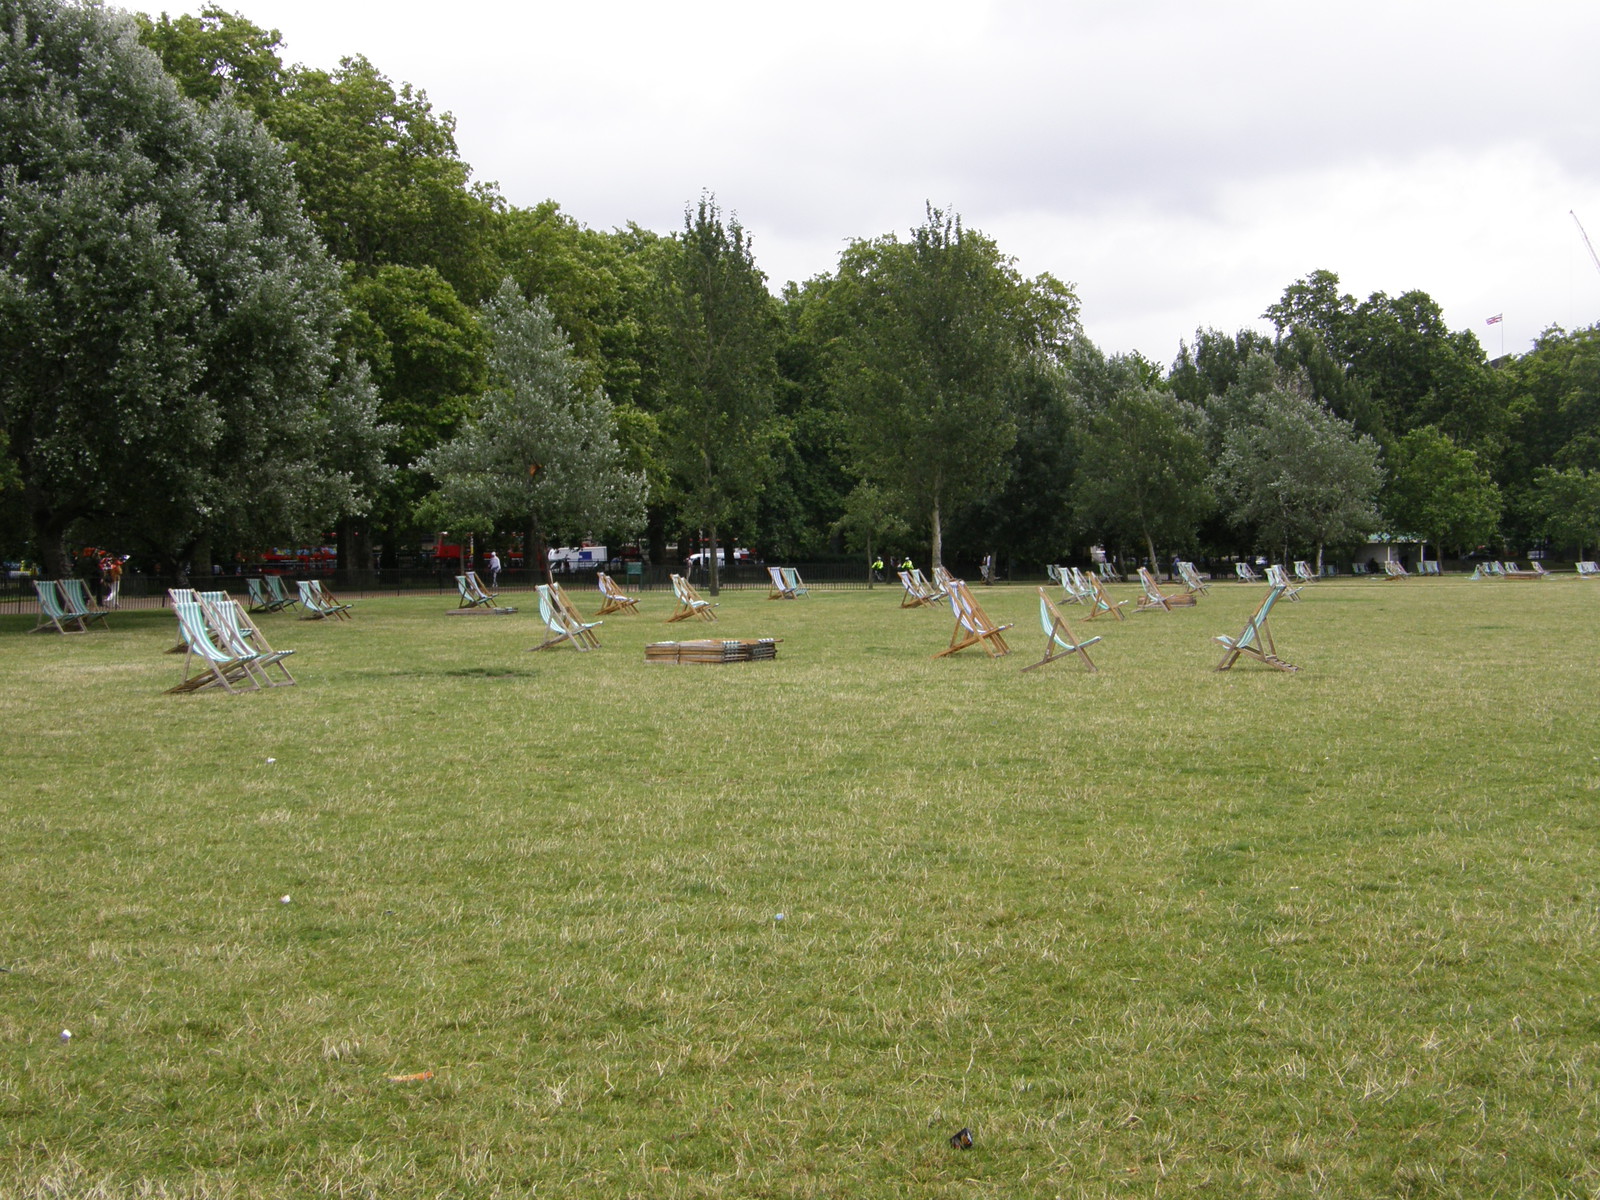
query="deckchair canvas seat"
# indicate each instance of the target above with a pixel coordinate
(1059, 640)
(1256, 639)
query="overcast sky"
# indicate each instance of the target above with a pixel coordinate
(1179, 163)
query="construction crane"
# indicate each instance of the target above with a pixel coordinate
(1586, 240)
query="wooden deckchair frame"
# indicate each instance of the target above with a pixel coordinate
(238, 634)
(1101, 602)
(1154, 598)
(221, 667)
(54, 613)
(935, 588)
(612, 598)
(280, 593)
(916, 593)
(261, 598)
(973, 625)
(1279, 578)
(1256, 640)
(780, 586)
(77, 601)
(1192, 579)
(1059, 640)
(562, 623)
(690, 602)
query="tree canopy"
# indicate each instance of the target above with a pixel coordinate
(167, 314)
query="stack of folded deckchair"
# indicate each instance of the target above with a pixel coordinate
(713, 651)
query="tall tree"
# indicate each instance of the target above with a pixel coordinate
(929, 335)
(382, 178)
(217, 52)
(1441, 492)
(719, 334)
(167, 315)
(1569, 504)
(542, 449)
(1142, 474)
(1300, 475)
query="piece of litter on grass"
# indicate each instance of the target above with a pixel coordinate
(66, 1035)
(270, 761)
(961, 1139)
(417, 1078)
(777, 917)
(285, 900)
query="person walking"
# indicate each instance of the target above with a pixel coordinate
(494, 569)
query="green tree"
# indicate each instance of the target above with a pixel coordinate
(1300, 475)
(542, 450)
(1568, 502)
(381, 177)
(1142, 475)
(719, 331)
(928, 338)
(167, 315)
(216, 52)
(1440, 491)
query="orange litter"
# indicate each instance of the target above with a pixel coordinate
(417, 1078)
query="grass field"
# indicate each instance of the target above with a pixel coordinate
(1153, 931)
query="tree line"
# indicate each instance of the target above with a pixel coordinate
(246, 303)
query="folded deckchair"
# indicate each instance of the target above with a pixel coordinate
(561, 625)
(1101, 601)
(54, 613)
(780, 586)
(1246, 573)
(1192, 579)
(689, 602)
(612, 598)
(75, 599)
(1303, 572)
(233, 630)
(973, 626)
(1154, 597)
(797, 586)
(1059, 641)
(1279, 578)
(280, 595)
(219, 666)
(1256, 640)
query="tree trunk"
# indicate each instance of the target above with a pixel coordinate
(714, 576)
(535, 554)
(1150, 549)
(937, 559)
(1319, 560)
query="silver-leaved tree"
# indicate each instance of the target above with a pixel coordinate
(541, 451)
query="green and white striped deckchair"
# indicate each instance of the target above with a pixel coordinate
(75, 597)
(1192, 579)
(562, 625)
(796, 585)
(54, 613)
(1279, 578)
(1154, 597)
(1256, 640)
(1100, 600)
(1059, 641)
(218, 667)
(233, 630)
(260, 598)
(280, 595)
(780, 586)
(690, 603)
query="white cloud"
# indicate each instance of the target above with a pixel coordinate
(1181, 163)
